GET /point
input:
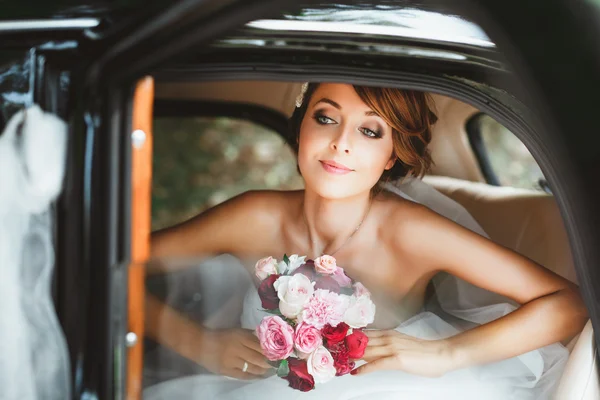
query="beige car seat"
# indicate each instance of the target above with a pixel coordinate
(530, 223)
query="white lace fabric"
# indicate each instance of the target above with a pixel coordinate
(33, 353)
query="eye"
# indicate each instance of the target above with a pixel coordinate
(370, 133)
(323, 120)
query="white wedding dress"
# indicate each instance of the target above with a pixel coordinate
(533, 375)
(34, 361)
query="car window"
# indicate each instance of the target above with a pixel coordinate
(201, 162)
(504, 159)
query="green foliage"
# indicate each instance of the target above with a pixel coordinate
(201, 162)
(284, 369)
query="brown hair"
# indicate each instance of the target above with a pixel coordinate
(406, 111)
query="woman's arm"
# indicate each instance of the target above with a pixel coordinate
(227, 228)
(552, 309)
(230, 227)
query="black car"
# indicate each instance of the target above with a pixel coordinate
(112, 70)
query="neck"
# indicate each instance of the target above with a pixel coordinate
(329, 223)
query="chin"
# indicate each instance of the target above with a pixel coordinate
(336, 188)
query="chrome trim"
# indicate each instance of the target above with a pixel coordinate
(364, 29)
(28, 25)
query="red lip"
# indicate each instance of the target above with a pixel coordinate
(335, 167)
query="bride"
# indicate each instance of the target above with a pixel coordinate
(350, 142)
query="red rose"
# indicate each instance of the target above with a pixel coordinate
(339, 347)
(298, 377)
(327, 283)
(268, 294)
(308, 269)
(343, 368)
(357, 343)
(341, 361)
(334, 334)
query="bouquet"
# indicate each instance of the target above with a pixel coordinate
(318, 312)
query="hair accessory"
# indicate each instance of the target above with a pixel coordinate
(300, 97)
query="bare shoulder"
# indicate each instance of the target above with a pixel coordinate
(412, 228)
(403, 215)
(229, 227)
(266, 205)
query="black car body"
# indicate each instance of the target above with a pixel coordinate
(539, 78)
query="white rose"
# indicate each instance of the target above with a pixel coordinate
(361, 290)
(293, 292)
(265, 267)
(360, 313)
(295, 262)
(320, 365)
(281, 267)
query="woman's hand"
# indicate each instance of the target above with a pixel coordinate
(225, 352)
(391, 350)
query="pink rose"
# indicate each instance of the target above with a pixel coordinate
(321, 365)
(323, 308)
(360, 312)
(325, 265)
(265, 267)
(361, 290)
(307, 339)
(293, 292)
(341, 278)
(276, 338)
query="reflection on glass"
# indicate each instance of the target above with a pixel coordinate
(511, 161)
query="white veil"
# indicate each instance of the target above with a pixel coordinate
(468, 305)
(34, 360)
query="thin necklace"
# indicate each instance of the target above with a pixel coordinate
(349, 237)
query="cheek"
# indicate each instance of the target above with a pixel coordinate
(309, 143)
(377, 156)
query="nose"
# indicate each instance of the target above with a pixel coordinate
(342, 142)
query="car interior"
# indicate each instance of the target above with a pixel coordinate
(526, 220)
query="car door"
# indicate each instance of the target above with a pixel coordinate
(89, 64)
(106, 92)
(113, 115)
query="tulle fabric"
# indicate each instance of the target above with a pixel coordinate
(33, 353)
(459, 306)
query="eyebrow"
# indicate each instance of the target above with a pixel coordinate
(336, 105)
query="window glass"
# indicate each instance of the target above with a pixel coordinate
(421, 21)
(510, 160)
(201, 162)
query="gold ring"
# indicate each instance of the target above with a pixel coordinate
(245, 367)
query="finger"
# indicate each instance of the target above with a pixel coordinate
(251, 368)
(376, 352)
(255, 358)
(251, 342)
(379, 341)
(377, 333)
(386, 363)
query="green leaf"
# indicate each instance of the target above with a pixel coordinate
(286, 260)
(284, 369)
(274, 312)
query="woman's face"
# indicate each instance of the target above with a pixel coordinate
(344, 147)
